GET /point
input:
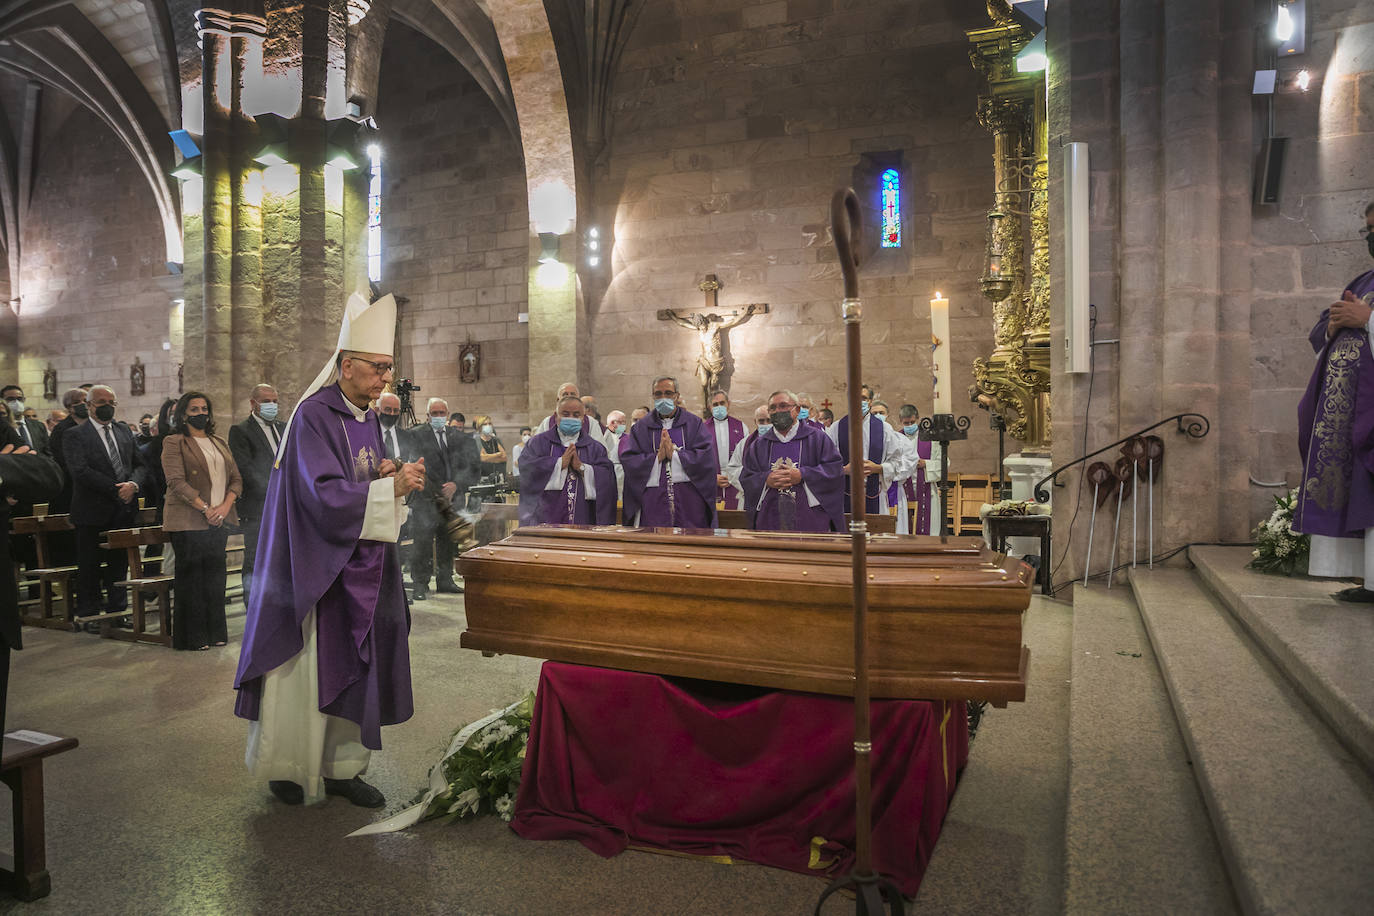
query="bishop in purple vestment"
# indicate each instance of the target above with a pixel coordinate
(670, 466)
(1336, 435)
(325, 662)
(791, 474)
(566, 476)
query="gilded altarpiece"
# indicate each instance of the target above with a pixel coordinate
(1015, 379)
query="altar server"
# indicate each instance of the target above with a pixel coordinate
(791, 474)
(566, 477)
(887, 457)
(729, 432)
(670, 465)
(325, 662)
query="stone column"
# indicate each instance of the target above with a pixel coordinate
(209, 364)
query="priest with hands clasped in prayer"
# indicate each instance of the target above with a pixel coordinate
(566, 477)
(887, 456)
(670, 465)
(791, 474)
(325, 662)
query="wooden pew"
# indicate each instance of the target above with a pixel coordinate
(140, 580)
(21, 768)
(53, 612)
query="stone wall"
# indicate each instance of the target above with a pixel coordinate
(733, 125)
(94, 282)
(1306, 248)
(454, 228)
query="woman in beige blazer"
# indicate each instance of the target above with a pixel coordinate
(202, 485)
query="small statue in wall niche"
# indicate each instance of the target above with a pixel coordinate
(181, 378)
(470, 362)
(137, 378)
(50, 383)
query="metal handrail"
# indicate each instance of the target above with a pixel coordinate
(1192, 425)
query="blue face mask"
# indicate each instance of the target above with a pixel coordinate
(720, 411)
(764, 425)
(911, 430)
(569, 426)
(863, 405)
(803, 413)
(665, 407)
(267, 411)
(438, 423)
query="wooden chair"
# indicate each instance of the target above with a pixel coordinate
(50, 579)
(131, 540)
(233, 563)
(21, 768)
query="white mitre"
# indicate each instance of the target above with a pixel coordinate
(366, 328)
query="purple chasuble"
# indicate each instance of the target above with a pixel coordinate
(729, 494)
(1336, 430)
(692, 503)
(310, 556)
(917, 493)
(876, 442)
(810, 450)
(568, 505)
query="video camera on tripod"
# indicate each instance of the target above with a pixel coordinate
(404, 389)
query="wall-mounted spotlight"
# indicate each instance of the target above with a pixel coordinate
(185, 142)
(188, 170)
(1303, 80)
(1030, 15)
(274, 132)
(347, 143)
(1290, 27)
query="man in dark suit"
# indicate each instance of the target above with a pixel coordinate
(254, 444)
(107, 472)
(29, 477)
(452, 464)
(32, 432)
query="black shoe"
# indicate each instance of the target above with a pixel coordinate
(451, 588)
(356, 791)
(419, 594)
(1357, 595)
(91, 626)
(287, 791)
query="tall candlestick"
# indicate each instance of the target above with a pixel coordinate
(939, 358)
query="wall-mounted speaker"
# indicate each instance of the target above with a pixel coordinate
(1269, 174)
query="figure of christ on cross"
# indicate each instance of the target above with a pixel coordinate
(710, 327)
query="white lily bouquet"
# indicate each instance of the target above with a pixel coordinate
(1278, 548)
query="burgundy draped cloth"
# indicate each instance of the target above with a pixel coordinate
(621, 758)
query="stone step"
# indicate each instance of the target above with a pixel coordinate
(1324, 646)
(1137, 836)
(1292, 808)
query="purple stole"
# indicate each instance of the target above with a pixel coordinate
(801, 518)
(872, 484)
(729, 494)
(917, 493)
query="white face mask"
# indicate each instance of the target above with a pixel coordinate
(486, 429)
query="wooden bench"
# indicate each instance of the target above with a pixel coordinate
(53, 611)
(21, 768)
(131, 540)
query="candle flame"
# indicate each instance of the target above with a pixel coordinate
(937, 295)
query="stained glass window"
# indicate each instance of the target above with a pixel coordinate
(892, 209)
(374, 216)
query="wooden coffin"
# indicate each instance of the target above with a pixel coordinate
(753, 607)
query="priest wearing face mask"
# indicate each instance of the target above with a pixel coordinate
(565, 390)
(254, 443)
(670, 465)
(791, 474)
(736, 464)
(887, 456)
(914, 489)
(729, 432)
(566, 477)
(617, 425)
(806, 411)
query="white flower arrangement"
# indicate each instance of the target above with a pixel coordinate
(1278, 547)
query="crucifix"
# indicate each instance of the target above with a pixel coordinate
(711, 327)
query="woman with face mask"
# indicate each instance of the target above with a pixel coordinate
(203, 483)
(493, 452)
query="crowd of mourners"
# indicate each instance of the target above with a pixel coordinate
(203, 482)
